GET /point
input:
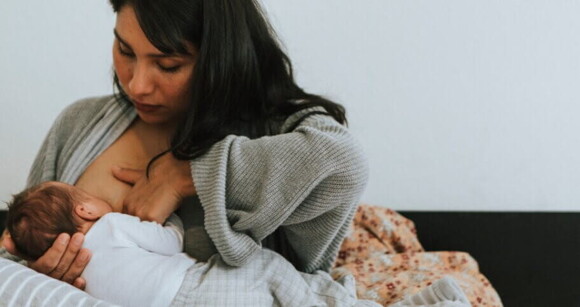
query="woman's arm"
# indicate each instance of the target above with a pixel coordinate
(305, 182)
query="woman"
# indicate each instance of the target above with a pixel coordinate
(208, 122)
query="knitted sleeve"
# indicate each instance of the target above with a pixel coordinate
(306, 182)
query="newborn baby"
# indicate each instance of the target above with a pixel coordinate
(137, 263)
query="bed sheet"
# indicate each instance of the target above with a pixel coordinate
(385, 256)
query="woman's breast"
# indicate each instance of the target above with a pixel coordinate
(99, 181)
(129, 151)
(134, 149)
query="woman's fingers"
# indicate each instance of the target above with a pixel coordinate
(9, 244)
(48, 262)
(67, 259)
(72, 276)
(64, 260)
(4, 234)
(156, 197)
(127, 175)
(80, 283)
(60, 260)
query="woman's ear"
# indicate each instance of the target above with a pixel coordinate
(87, 211)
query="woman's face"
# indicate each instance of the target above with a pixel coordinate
(158, 84)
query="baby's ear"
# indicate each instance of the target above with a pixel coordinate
(86, 211)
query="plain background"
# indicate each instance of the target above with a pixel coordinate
(459, 105)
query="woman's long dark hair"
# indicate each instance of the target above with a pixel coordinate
(243, 82)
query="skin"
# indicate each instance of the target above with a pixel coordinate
(149, 77)
(89, 210)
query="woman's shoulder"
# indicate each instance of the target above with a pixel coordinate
(86, 110)
(314, 115)
(87, 107)
(84, 113)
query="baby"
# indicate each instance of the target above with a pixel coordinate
(136, 263)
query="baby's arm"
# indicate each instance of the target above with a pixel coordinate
(173, 221)
(152, 236)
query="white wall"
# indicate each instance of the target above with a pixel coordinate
(460, 105)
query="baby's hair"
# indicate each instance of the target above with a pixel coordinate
(38, 215)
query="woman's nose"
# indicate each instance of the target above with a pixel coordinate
(141, 83)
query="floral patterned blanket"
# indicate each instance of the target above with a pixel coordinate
(385, 256)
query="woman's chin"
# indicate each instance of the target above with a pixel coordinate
(158, 120)
(152, 119)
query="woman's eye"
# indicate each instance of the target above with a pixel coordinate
(124, 52)
(169, 69)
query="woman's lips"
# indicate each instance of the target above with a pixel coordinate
(146, 108)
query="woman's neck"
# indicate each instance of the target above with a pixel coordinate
(166, 129)
(156, 137)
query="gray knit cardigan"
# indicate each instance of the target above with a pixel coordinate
(296, 190)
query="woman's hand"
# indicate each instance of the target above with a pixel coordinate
(4, 234)
(154, 199)
(65, 260)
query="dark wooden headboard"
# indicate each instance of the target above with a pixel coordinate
(532, 259)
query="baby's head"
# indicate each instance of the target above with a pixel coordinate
(39, 214)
